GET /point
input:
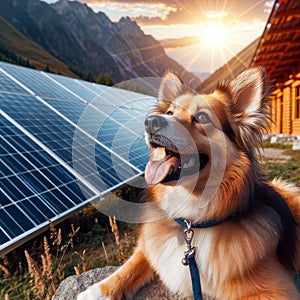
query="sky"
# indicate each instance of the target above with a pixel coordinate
(223, 27)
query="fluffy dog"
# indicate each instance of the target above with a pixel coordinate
(203, 168)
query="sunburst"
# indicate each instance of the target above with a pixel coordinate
(215, 35)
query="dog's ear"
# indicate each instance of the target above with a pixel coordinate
(248, 90)
(250, 106)
(171, 87)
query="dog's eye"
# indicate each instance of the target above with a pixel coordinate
(170, 113)
(201, 118)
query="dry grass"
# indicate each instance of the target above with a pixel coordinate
(48, 272)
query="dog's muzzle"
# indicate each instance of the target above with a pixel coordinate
(174, 164)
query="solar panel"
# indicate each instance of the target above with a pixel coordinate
(34, 187)
(64, 143)
(74, 86)
(38, 83)
(57, 134)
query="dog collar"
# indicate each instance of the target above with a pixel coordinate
(208, 223)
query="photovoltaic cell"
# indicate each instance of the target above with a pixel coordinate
(139, 153)
(6, 84)
(93, 87)
(73, 110)
(75, 87)
(34, 187)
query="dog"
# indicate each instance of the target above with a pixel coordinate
(203, 168)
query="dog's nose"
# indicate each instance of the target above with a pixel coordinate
(154, 123)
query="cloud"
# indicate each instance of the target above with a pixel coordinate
(169, 12)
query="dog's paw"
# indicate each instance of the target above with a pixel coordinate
(92, 293)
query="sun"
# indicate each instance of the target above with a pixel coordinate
(214, 35)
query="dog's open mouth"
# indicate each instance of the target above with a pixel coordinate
(173, 166)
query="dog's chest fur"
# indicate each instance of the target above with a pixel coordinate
(166, 250)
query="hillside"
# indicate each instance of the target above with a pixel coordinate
(231, 68)
(14, 41)
(90, 42)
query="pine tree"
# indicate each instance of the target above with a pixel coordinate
(105, 79)
(90, 77)
(108, 80)
(47, 69)
(100, 79)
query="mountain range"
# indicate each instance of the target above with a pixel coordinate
(72, 33)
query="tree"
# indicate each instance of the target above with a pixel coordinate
(90, 77)
(105, 79)
(100, 79)
(109, 80)
(47, 69)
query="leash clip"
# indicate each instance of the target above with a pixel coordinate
(188, 234)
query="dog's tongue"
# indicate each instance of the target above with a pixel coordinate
(157, 170)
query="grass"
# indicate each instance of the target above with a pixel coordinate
(288, 170)
(59, 257)
(267, 144)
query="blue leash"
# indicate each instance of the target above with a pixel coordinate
(195, 276)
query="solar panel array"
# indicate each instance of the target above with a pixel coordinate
(64, 143)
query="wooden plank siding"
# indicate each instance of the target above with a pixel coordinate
(295, 107)
(287, 111)
(284, 107)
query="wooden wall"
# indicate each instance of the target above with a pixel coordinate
(284, 107)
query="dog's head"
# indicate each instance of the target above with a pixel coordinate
(195, 138)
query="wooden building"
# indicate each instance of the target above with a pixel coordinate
(279, 52)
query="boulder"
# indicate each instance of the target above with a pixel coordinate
(296, 144)
(73, 285)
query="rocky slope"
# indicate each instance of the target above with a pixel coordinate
(89, 41)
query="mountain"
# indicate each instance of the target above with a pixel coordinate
(88, 41)
(230, 69)
(152, 56)
(37, 21)
(137, 54)
(90, 27)
(39, 58)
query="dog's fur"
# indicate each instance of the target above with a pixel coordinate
(254, 255)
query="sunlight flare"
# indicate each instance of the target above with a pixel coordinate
(215, 35)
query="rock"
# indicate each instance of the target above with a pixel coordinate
(274, 139)
(73, 285)
(296, 145)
